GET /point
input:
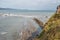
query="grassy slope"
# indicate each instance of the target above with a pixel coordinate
(51, 30)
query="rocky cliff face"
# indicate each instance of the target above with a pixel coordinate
(51, 29)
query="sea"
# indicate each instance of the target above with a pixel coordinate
(12, 21)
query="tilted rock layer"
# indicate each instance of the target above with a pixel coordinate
(51, 29)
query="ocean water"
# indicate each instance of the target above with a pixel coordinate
(17, 22)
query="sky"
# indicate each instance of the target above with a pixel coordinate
(30, 4)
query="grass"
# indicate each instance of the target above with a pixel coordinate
(51, 29)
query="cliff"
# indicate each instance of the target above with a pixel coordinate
(51, 30)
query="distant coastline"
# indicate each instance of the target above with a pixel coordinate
(6, 9)
(27, 10)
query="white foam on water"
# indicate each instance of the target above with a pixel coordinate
(25, 16)
(3, 33)
(20, 34)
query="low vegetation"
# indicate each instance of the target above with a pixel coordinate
(51, 29)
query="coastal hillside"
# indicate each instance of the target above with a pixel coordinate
(51, 30)
(6, 9)
(27, 10)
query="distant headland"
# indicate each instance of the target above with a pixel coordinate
(27, 10)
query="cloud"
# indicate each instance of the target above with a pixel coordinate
(30, 4)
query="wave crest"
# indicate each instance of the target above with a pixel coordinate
(27, 16)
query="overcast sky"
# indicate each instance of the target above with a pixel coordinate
(30, 4)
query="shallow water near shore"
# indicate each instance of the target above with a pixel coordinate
(12, 24)
(9, 25)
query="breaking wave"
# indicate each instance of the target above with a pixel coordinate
(26, 16)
